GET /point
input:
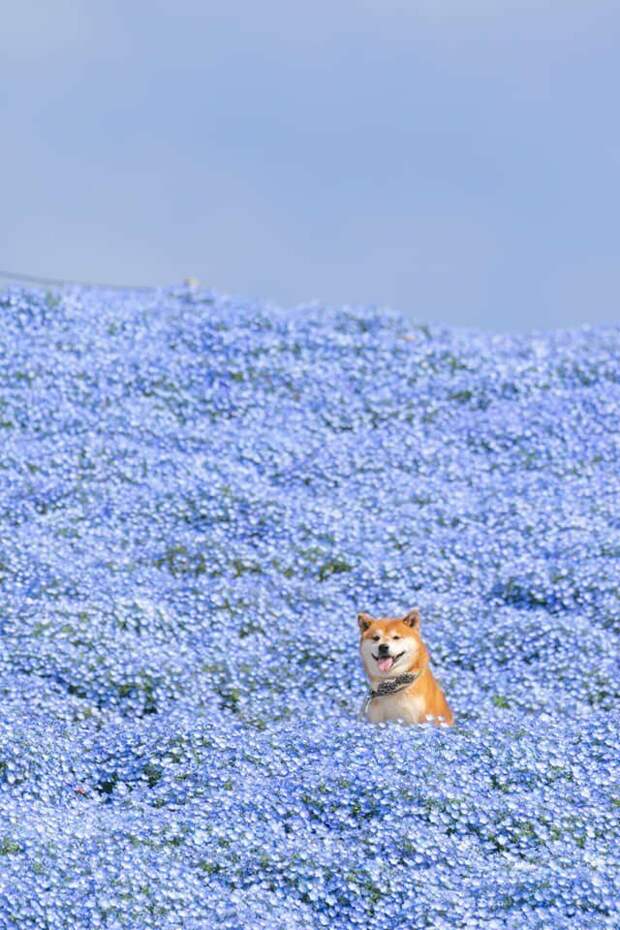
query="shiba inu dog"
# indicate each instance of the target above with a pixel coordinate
(402, 686)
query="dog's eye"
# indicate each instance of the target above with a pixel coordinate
(376, 638)
(396, 636)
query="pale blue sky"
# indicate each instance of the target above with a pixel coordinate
(456, 160)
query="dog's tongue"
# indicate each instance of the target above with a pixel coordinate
(385, 664)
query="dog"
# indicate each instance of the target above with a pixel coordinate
(402, 686)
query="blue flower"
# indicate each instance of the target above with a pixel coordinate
(197, 495)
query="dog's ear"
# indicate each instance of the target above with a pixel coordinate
(364, 621)
(413, 619)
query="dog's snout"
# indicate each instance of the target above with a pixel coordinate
(384, 649)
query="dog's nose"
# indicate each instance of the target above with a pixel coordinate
(384, 649)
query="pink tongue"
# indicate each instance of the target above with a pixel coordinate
(385, 664)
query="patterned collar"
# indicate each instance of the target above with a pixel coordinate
(393, 685)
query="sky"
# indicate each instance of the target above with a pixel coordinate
(457, 160)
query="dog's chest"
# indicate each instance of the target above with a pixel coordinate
(401, 706)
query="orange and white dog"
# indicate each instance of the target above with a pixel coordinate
(402, 686)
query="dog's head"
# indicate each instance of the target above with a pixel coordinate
(391, 645)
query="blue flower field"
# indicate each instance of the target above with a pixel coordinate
(197, 496)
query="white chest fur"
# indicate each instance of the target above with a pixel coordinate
(400, 706)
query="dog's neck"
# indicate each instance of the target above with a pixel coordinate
(415, 667)
(381, 686)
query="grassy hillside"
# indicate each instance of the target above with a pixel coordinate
(197, 495)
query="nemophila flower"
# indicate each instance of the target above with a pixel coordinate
(197, 495)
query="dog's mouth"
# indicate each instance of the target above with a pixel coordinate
(385, 663)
